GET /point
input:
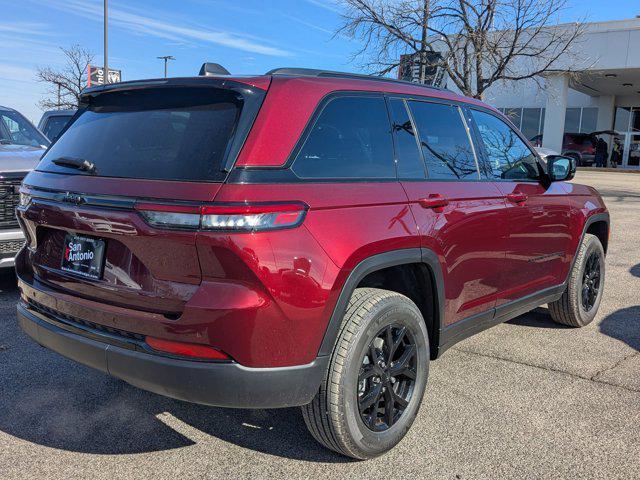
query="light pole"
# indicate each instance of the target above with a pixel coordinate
(166, 58)
(106, 41)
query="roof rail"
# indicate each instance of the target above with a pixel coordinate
(312, 72)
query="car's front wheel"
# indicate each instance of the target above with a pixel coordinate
(376, 378)
(579, 303)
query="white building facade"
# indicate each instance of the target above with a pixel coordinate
(602, 93)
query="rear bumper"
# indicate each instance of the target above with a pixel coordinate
(218, 384)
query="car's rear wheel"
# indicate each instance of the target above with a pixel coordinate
(579, 303)
(376, 378)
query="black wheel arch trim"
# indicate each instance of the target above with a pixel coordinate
(448, 336)
(378, 262)
(596, 217)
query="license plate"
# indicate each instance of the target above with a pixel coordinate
(83, 256)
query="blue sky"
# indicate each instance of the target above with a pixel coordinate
(248, 36)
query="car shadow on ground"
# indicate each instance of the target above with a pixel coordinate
(539, 318)
(635, 270)
(623, 325)
(51, 401)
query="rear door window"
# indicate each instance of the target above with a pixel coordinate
(408, 157)
(351, 138)
(445, 142)
(508, 157)
(160, 134)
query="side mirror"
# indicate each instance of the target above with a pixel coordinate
(560, 169)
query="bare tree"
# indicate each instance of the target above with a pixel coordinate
(480, 42)
(65, 84)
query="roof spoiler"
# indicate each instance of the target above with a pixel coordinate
(213, 70)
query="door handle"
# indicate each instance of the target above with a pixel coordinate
(434, 201)
(517, 197)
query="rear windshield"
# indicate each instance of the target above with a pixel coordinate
(161, 134)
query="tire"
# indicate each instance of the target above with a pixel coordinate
(570, 309)
(334, 417)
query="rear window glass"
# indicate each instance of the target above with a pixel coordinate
(160, 134)
(410, 164)
(350, 139)
(55, 125)
(444, 140)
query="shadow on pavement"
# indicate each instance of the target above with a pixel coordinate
(619, 195)
(51, 401)
(635, 270)
(623, 325)
(8, 281)
(538, 318)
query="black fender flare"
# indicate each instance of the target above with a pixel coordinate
(378, 262)
(596, 217)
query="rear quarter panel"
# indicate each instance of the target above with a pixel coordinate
(304, 269)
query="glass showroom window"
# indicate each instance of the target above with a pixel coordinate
(581, 120)
(530, 121)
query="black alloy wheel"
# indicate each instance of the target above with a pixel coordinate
(582, 295)
(387, 377)
(591, 281)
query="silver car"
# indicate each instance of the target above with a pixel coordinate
(21, 146)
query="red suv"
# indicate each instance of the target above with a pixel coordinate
(580, 146)
(301, 238)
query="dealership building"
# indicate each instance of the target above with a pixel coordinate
(602, 93)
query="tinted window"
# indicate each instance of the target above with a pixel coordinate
(409, 159)
(572, 120)
(444, 141)
(351, 138)
(16, 130)
(515, 115)
(508, 156)
(55, 125)
(176, 134)
(531, 124)
(589, 121)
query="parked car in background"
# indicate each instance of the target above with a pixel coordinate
(581, 146)
(53, 121)
(21, 146)
(299, 238)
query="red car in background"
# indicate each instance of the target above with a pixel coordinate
(581, 146)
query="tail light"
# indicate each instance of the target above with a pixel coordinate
(247, 217)
(183, 349)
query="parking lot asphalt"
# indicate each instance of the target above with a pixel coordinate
(526, 399)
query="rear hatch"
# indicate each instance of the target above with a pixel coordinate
(143, 143)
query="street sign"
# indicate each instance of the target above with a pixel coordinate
(96, 76)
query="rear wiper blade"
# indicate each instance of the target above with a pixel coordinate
(73, 162)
